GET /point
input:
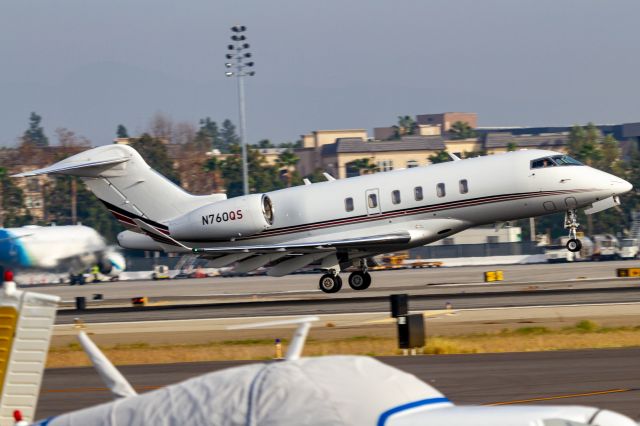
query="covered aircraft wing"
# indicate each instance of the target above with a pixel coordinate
(321, 245)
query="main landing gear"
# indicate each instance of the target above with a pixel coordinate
(358, 280)
(571, 223)
(331, 282)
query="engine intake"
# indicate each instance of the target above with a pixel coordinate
(225, 220)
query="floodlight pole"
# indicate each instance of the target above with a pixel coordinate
(243, 136)
(240, 70)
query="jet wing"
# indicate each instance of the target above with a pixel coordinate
(311, 246)
(399, 238)
(14, 237)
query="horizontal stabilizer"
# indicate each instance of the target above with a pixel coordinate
(74, 167)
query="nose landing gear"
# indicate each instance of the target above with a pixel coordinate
(571, 223)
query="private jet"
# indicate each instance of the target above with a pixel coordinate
(339, 223)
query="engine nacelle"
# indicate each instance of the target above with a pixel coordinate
(225, 220)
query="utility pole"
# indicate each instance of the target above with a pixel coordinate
(74, 201)
(532, 228)
(239, 67)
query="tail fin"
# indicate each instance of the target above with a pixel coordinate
(125, 183)
(26, 324)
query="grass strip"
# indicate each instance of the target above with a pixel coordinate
(585, 334)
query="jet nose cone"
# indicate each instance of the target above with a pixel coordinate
(620, 186)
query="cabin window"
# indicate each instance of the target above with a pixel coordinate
(440, 190)
(412, 163)
(464, 186)
(417, 193)
(395, 197)
(348, 204)
(373, 201)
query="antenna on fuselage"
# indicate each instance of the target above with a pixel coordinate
(112, 378)
(453, 156)
(328, 176)
(299, 336)
(306, 181)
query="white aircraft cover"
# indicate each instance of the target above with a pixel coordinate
(330, 390)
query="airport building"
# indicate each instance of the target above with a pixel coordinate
(339, 152)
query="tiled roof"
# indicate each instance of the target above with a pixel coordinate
(407, 143)
(502, 140)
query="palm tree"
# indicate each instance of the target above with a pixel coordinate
(364, 166)
(461, 130)
(439, 157)
(287, 160)
(406, 126)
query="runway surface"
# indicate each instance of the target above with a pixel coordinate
(603, 378)
(306, 285)
(524, 285)
(328, 305)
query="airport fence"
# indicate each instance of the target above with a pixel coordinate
(139, 263)
(476, 250)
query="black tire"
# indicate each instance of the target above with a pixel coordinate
(359, 280)
(330, 283)
(574, 245)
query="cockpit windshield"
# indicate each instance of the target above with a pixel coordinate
(556, 160)
(565, 160)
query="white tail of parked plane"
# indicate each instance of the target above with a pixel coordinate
(127, 185)
(26, 323)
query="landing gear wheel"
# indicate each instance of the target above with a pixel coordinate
(359, 280)
(330, 283)
(574, 245)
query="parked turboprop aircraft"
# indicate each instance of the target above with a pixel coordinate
(328, 390)
(339, 223)
(71, 248)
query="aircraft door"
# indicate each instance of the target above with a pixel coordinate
(372, 198)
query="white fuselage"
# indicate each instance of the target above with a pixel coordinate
(497, 188)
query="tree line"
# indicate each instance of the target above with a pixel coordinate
(180, 151)
(191, 166)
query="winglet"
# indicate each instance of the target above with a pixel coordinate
(299, 336)
(112, 378)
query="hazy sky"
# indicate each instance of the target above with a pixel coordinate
(90, 65)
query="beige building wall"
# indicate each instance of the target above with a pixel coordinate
(397, 159)
(459, 147)
(323, 137)
(429, 130)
